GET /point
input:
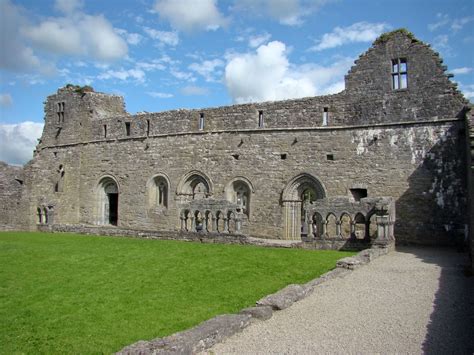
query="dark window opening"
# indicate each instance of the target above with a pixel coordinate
(260, 119)
(201, 121)
(358, 194)
(330, 157)
(113, 208)
(105, 131)
(283, 156)
(325, 116)
(56, 187)
(147, 128)
(236, 156)
(19, 181)
(399, 74)
(127, 128)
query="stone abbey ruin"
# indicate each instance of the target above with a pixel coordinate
(390, 156)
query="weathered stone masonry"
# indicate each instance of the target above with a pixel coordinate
(265, 169)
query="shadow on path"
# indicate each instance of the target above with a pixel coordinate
(451, 326)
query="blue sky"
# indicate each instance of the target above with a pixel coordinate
(166, 54)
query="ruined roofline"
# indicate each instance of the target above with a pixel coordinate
(387, 125)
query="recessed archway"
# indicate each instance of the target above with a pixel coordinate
(108, 199)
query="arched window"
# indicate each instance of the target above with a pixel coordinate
(39, 214)
(158, 192)
(242, 196)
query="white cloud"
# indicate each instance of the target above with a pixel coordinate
(181, 75)
(68, 6)
(208, 69)
(468, 91)
(192, 90)
(189, 15)
(155, 64)
(443, 20)
(171, 38)
(286, 12)
(124, 75)
(268, 75)
(17, 141)
(458, 24)
(460, 71)
(257, 40)
(131, 38)
(160, 95)
(24, 59)
(358, 32)
(77, 34)
(6, 100)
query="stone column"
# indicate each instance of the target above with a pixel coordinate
(204, 225)
(383, 230)
(338, 229)
(324, 226)
(226, 225)
(193, 224)
(214, 223)
(238, 225)
(353, 230)
(183, 223)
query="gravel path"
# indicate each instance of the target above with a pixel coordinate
(409, 301)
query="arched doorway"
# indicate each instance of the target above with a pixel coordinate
(108, 195)
(299, 193)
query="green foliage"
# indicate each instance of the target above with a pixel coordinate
(66, 293)
(384, 37)
(80, 89)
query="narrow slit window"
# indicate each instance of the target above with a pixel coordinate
(325, 116)
(201, 121)
(260, 119)
(105, 131)
(127, 128)
(399, 74)
(147, 128)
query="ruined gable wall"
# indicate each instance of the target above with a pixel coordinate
(430, 94)
(13, 203)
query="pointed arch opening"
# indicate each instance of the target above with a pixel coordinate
(195, 185)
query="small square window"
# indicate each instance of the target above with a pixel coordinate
(330, 157)
(283, 156)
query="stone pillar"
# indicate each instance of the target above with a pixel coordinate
(324, 231)
(193, 224)
(353, 230)
(383, 230)
(238, 225)
(183, 223)
(226, 225)
(338, 229)
(204, 225)
(214, 223)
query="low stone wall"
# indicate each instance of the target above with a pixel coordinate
(215, 330)
(223, 238)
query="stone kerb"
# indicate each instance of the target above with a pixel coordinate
(217, 329)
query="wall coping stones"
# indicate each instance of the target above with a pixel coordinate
(257, 130)
(216, 329)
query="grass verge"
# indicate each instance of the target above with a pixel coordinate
(66, 293)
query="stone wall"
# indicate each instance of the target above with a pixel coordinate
(13, 203)
(406, 144)
(470, 181)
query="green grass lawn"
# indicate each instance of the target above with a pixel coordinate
(66, 293)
